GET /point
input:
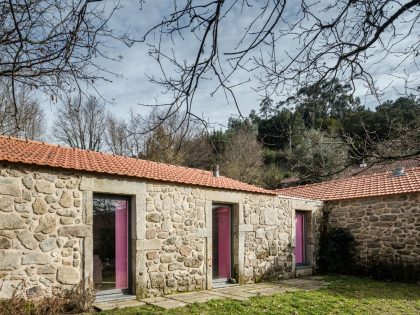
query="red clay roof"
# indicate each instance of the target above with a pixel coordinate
(380, 184)
(39, 153)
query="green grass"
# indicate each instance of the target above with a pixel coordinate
(344, 295)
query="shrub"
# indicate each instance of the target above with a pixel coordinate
(392, 268)
(336, 251)
(78, 300)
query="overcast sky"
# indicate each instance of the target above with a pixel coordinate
(131, 87)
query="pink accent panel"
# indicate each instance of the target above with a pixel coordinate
(300, 238)
(121, 245)
(223, 225)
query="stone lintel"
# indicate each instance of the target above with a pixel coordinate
(203, 233)
(148, 244)
(246, 228)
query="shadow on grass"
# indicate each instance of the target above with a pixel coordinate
(363, 287)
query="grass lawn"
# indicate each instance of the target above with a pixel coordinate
(344, 295)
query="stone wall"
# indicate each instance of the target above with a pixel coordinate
(383, 227)
(173, 216)
(178, 241)
(40, 231)
(269, 241)
(46, 242)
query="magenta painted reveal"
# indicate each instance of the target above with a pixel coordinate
(121, 244)
(223, 227)
(300, 238)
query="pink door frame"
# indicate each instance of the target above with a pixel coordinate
(300, 238)
(121, 209)
(121, 244)
(223, 215)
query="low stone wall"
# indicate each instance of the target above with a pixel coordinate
(383, 227)
(40, 231)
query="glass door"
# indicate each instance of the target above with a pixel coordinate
(300, 238)
(221, 265)
(110, 243)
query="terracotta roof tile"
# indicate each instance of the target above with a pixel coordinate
(39, 153)
(380, 184)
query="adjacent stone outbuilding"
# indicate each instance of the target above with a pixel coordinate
(137, 227)
(382, 211)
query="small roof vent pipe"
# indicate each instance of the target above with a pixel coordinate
(216, 170)
(399, 171)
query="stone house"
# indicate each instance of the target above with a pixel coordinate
(382, 212)
(69, 216)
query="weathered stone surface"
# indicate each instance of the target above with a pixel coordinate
(255, 218)
(70, 243)
(35, 258)
(67, 220)
(11, 222)
(163, 235)
(75, 230)
(27, 239)
(46, 270)
(9, 187)
(23, 208)
(153, 217)
(6, 203)
(165, 226)
(28, 182)
(270, 216)
(8, 288)
(34, 292)
(9, 259)
(150, 233)
(50, 199)
(185, 250)
(5, 243)
(66, 252)
(66, 200)
(170, 241)
(40, 206)
(48, 244)
(26, 195)
(68, 275)
(44, 186)
(152, 255)
(47, 224)
(67, 213)
(157, 280)
(192, 262)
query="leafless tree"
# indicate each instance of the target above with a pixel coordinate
(344, 39)
(28, 122)
(117, 136)
(51, 45)
(81, 123)
(242, 158)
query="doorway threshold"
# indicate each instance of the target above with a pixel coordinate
(223, 283)
(111, 297)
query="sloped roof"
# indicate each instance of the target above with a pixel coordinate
(382, 167)
(39, 153)
(380, 184)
